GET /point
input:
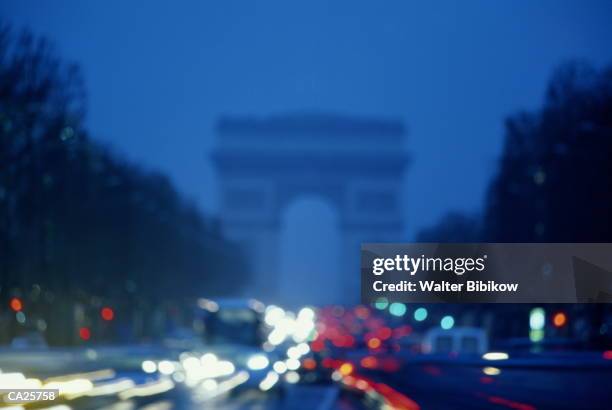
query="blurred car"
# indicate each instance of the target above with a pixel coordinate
(32, 340)
(233, 329)
(459, 340)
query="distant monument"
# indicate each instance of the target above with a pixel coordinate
(263, 164)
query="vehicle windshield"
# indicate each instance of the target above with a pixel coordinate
(238, 326)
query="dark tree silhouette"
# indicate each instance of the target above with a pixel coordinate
(554, 182)
(554, 178)
(79, 225)
(41, 107)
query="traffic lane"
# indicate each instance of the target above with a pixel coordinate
(288, 397)
(295, 397)
(125, 363)
(180, 396)
(441, 386)
(179, 399)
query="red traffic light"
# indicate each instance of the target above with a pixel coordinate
(84, 333)
(107, 313)
(16, 304)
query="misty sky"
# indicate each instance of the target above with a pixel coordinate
(159, 73)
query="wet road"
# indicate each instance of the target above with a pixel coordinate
(557, 383)
(445, 386)
(119, 365)
(295, 398)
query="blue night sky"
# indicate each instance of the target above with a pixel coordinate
(159, 73)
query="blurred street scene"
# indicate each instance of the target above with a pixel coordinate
(184, 190)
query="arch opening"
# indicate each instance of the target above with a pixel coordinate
(310, 252)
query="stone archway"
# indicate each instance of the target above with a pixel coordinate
(262, 164)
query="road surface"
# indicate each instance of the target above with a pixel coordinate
(119, 364)
(497, 386)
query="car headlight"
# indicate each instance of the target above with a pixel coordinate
(258, 362)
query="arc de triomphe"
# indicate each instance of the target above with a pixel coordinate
(263, 164)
